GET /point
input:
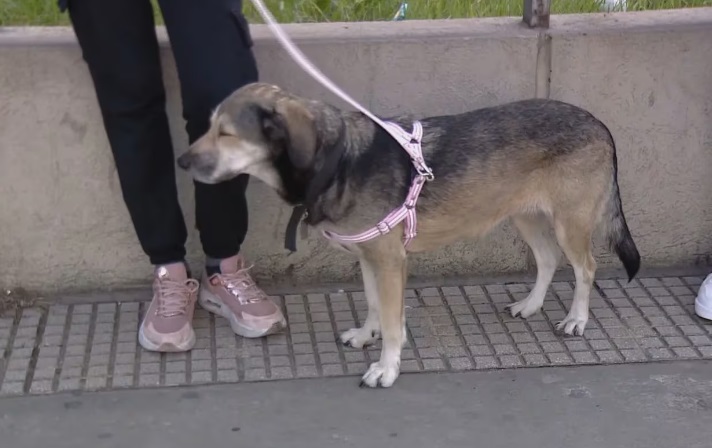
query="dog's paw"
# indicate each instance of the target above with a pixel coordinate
(573, 325)
(380, 375)
(524, 308)
(359, 337)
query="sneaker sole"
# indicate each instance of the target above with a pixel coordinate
(703, 311)
(210, 303)
(166, 347)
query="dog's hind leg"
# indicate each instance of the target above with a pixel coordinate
(370, 331)
(388, 261)
(574, 234)
(535, 232)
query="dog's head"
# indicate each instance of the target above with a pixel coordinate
(258, 130)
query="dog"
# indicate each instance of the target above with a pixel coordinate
(537, 162)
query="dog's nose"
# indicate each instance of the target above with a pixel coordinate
(184, 161)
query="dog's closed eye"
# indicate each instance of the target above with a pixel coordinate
(226, 130)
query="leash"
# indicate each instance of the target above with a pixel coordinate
(411, 143)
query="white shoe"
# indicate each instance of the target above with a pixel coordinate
(703, 303)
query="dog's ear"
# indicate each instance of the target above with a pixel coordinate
(292, 125)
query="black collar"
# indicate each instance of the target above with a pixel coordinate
(321, 180)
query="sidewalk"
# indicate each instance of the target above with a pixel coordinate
(657, 405)
(465, 375)
(75, 346)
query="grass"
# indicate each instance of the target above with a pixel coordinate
(46, 13)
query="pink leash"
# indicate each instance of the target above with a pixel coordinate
(410, 142)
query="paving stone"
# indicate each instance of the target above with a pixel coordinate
(479, 350)
(600, 344)
(201, 377)
(546, 336)
(584, 357)
(178, 379)
(560, 358)
(94, 383)
(706, 351)
(576, 346)
(625, 343)
(15, 375)
(668, 331)
(410, 366)
(659, 353)
(685, 352)
(528, 348)
(535, 360)
(700, 340)
(649, 320)
(522, 337)
(609, 356)
(552, 347)
(460, 363)
(505, 349)
(11, 388)
(510, 361)
(333, 369)
(69, 384)
(307, 371)
(41, 387)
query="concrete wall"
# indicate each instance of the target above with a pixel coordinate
(647, 75)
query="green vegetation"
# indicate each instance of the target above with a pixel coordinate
(46, 13)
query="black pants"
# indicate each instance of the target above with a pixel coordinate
(212, 49)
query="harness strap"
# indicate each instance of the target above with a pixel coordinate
(412, 145)
(290, 236)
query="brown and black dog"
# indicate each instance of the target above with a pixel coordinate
(540, 163)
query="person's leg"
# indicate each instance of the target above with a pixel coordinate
(213, 51)
(118, 42)
(213, 54)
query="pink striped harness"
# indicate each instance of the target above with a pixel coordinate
(411, 142)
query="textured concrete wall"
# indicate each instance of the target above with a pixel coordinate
(648, 75)
(652, 84)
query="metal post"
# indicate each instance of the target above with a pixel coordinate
(536, 13)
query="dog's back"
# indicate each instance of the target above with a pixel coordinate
(519, 159)
(530, 134)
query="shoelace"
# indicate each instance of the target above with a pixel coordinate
(174, 297)
(243, 287)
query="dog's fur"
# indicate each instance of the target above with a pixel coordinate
(539, 162)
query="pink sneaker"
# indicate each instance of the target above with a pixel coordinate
(234, 295)
(167, 325)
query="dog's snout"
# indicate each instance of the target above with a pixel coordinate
(201, 165)
(184, 161)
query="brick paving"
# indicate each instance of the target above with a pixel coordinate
(94, 346)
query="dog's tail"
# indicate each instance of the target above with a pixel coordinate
(618, 235)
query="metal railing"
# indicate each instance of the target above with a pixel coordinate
(536, 13)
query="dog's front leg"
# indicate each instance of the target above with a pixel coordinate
(370, 331)
(390, 275)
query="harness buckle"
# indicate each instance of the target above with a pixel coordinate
(425, 171)
(383, 227)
